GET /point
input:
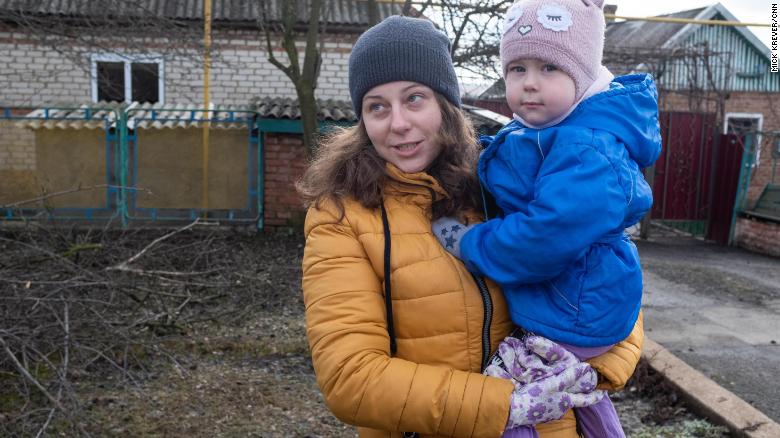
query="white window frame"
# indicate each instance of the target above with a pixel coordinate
(758, 116)
(128, 60)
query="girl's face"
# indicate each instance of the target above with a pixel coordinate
(402, 120)
(538, 91)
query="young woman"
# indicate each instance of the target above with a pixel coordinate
(399, 330)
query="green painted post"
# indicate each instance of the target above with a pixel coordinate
(743, 184)
(260, 176)
(122, 168)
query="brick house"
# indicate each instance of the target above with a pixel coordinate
(67, 54)
(152, 68)
(74, 68)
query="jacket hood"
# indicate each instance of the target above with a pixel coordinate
(629, 111)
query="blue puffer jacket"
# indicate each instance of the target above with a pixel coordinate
(567, 269)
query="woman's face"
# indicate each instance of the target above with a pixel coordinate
(402, 120)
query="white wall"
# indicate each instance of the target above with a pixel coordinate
(36, 76)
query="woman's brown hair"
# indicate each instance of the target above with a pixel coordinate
(347, 165)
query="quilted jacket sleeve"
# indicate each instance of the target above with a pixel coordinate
(617, 365)
(347, 332)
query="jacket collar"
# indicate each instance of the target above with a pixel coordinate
(421, 185)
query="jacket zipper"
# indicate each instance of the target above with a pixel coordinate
(487, 302)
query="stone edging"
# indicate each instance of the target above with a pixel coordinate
(709, 399)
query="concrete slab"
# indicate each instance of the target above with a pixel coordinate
(718, 310)
(708, 398)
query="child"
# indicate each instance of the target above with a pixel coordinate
(566, 175)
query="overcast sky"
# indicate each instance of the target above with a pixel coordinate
(746, 11)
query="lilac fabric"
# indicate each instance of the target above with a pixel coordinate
(595, 421)
(521, 432)
(583, 353)
(599, 420)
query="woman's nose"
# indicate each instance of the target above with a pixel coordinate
(400, 120)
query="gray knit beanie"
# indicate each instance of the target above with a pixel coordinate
(402, 49)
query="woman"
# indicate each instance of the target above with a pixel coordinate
(406, 354)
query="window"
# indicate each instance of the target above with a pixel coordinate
(117, 78)
(746, 123)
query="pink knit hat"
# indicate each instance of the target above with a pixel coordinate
(567, 33)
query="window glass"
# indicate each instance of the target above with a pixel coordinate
(145, 82)
(111, 81)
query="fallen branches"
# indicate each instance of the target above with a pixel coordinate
(88, 304)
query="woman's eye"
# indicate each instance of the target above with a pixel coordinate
(374, 107)
(415, 98)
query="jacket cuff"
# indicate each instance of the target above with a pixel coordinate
(477, 406)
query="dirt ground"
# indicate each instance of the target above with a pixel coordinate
(232, 366)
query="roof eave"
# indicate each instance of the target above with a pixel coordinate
(707, 14)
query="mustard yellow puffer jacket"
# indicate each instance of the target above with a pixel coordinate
(433, 384)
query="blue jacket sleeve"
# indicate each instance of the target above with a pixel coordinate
(577, 201)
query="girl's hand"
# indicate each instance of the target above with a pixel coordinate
(549, 380)
(449, 231)
(549, 398)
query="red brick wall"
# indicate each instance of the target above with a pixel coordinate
(285, 161)
(759, 236)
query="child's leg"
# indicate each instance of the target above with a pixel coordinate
(521, 432)
(599, 420)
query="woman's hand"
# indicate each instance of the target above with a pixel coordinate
(549, 380)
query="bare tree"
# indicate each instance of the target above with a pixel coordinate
(303, 76)
(474, 28)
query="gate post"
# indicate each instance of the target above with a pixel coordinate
(122, 167)
(743, 184)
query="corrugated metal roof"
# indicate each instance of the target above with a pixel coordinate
(158, 116)
(646, 34)
(103, 115)
(287, 108)
(341, 111)
(736, 60)
(341, 12)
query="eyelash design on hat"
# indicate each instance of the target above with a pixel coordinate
(512, 15)
(554, 17)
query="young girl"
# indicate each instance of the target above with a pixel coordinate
(566, 176)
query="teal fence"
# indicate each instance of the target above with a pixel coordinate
(116, 191)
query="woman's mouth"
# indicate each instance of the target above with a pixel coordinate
(407, 148)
